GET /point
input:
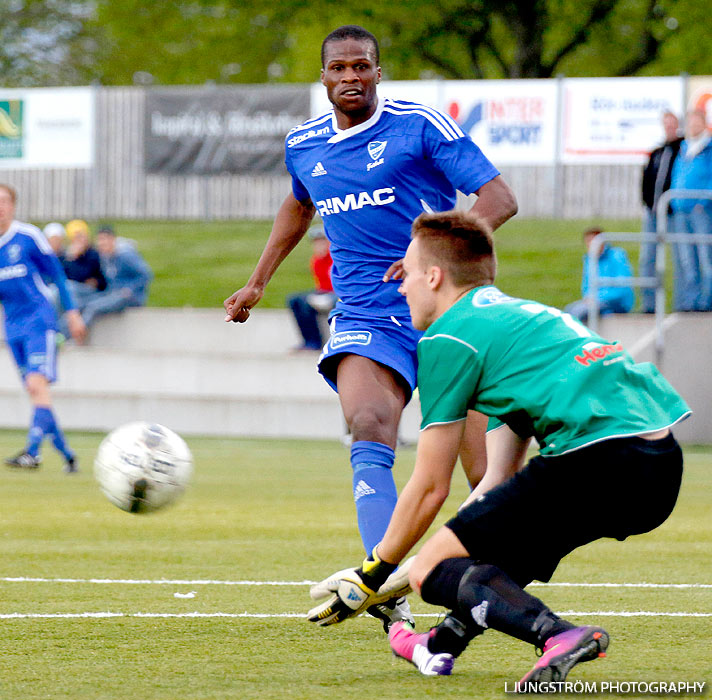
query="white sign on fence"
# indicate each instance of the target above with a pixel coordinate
(616, 120)
(512, 121)
(46, 128)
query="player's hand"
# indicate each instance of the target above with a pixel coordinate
(77, 327)
(353, 590)
(394, 272)
(238, 305)
(351, 596)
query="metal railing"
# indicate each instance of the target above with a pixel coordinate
(660, 238)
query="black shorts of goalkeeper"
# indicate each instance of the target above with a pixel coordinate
(611, 489)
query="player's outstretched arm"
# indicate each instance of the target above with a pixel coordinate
(495, 203)
(290, 225)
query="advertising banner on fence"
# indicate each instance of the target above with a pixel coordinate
(616, 120)
(699, 95)
(512, 121)
(46, 128)
(208, 131)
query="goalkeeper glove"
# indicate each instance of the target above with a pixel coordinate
(353, 590)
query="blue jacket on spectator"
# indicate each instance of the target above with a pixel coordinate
(127, 269)
(692, 174)
(613, 262)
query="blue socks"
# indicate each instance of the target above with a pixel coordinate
(44, 423)
(374, 489)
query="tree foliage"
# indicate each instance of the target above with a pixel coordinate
(253, 41)
(45, 42)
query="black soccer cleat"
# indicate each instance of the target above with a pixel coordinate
(71, 466)
(23, 460)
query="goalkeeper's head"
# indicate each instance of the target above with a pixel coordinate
(451, 253)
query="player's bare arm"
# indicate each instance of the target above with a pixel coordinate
(77, 327)
(290, 225)
(426, 490)
(495, 204)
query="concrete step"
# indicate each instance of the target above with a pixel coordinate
(103, 371)
(187, 330)
(259, 416)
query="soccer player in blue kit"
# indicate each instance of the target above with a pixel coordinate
(26, 260)
(369, 167)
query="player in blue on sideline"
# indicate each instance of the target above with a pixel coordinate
(26, 261)
(368, 168)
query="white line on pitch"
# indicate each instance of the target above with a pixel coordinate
(101, 615)
(209, 582)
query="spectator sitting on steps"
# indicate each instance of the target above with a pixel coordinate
(127, 277)
(612, 262)
(306, 306)
(82, 264)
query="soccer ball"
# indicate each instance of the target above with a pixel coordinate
(142, 466)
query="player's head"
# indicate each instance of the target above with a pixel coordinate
(451, 252)
(352, 31)
(350, 72)
(8, 197)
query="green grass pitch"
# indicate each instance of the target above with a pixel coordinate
(208, 261)
(270, 512)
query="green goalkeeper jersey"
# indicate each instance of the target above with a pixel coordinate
(539, 371)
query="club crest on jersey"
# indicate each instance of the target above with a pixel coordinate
(375, 151)
(14, 252)
(489, 296)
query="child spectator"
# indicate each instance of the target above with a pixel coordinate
(612, 262)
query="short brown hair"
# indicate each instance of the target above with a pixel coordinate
(459, 243)
(10, 190)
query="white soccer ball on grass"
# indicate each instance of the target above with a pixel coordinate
(142, 466)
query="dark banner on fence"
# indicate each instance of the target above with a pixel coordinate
(215, 130)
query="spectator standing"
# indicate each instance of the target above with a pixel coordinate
(693, 171)
(612, 262)
(127, 277)
(657, 177)
(306, 306)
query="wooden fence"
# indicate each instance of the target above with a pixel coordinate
(118, 188)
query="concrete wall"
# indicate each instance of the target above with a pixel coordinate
(188, 369)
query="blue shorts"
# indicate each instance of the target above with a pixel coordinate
(36, 353)
(391, 342)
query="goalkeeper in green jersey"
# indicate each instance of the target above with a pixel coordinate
(608, 465)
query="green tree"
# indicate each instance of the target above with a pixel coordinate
(45, 42)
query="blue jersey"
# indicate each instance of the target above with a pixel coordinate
(369, 182)
(26, 260)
